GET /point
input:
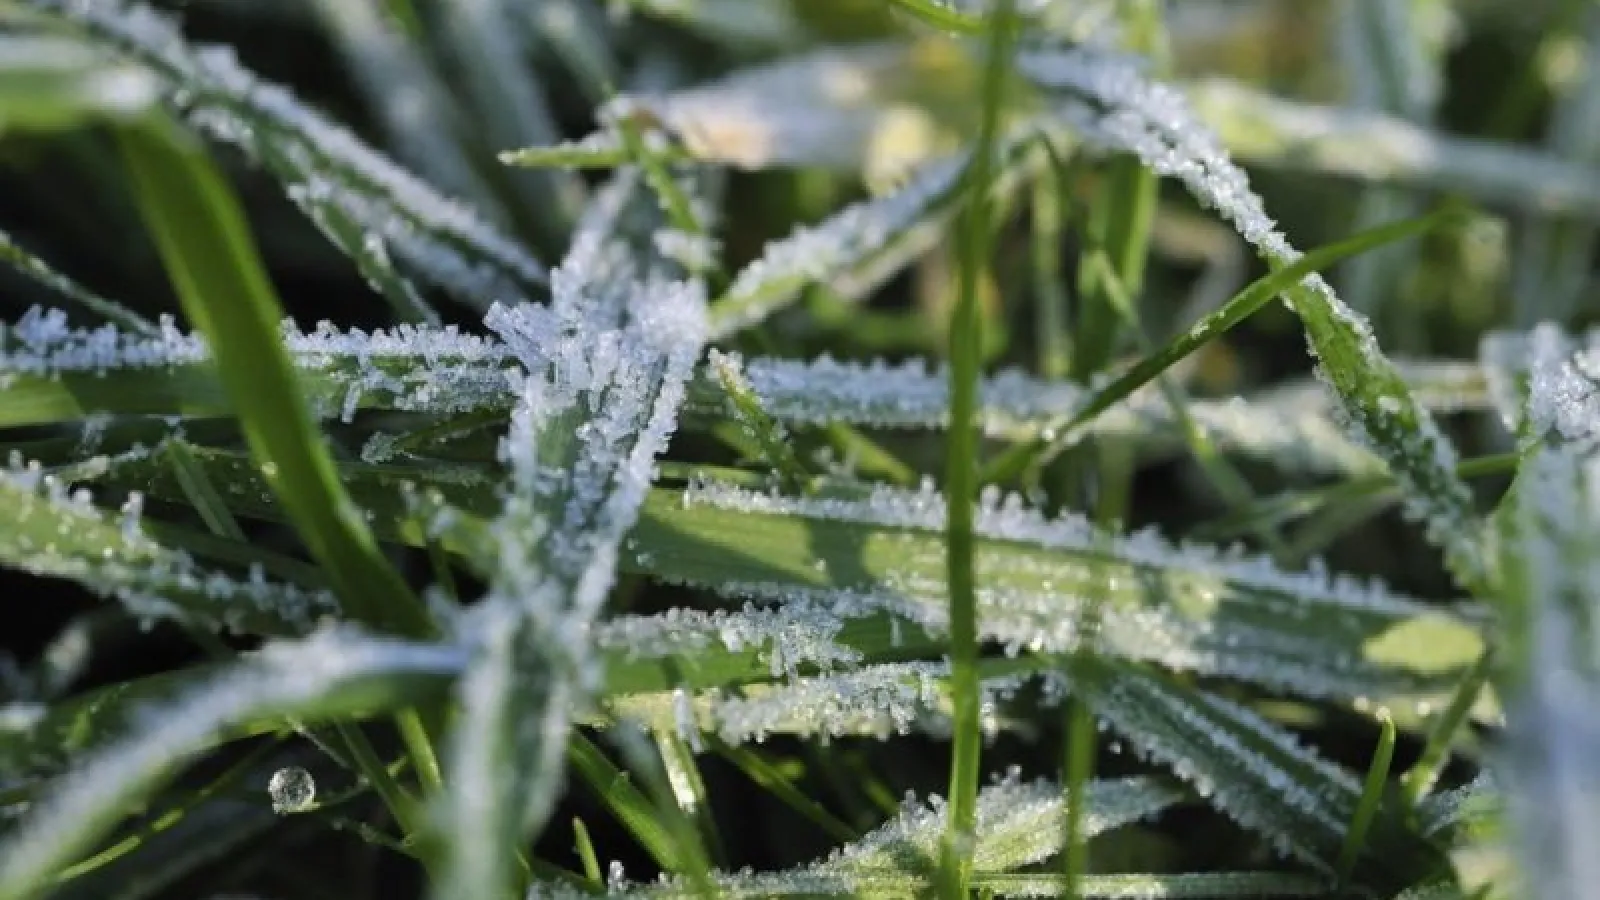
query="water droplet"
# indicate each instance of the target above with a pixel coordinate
(293, 790)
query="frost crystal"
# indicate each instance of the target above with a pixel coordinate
(604, 372)
(1019, 823)
(62, 534)
(820, 252)
(1544, 382)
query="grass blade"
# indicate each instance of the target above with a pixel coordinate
(219, 279)
(1243, 305)
(961, 460)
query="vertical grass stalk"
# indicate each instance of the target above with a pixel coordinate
(961, 474)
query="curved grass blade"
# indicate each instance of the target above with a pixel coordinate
(219, 279)
(330, 675)
(1125, 112)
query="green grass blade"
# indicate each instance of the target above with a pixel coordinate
(1252, 770)
(1240, 307)
(212, 261)
(46, 532)
(1240, 618)
(1355, 838)
(52, 83)
(961, 461)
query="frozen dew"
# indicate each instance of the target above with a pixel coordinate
(1013, 404)
(1187, 607)
(60, 534)
(292, 790)
(1545, 382)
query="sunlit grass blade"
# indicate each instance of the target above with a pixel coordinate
(332, 675)
(1185, 608)
(53, 83)
(212, 261)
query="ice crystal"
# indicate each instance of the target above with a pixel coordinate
(1545, 382)
(1247, 767)
(1014, 404)
(604, 372)
(819, 252)
(1019, 823)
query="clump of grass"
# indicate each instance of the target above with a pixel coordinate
(607, 540)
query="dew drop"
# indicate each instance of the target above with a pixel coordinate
(292, 789)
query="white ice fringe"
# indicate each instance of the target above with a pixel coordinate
(1228, 614)
(1019, 824)
(1545, 382)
